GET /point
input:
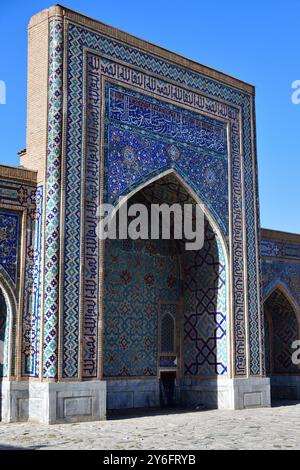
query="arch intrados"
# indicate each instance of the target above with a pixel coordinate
(213, 223)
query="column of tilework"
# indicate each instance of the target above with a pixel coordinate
(53, 193)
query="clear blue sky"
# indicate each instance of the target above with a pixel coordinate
(256, 41)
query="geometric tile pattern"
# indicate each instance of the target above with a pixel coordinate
(138, 275)
(282, 332)
(15, 197)
(205, 324)
(9, 243)
(121, 63)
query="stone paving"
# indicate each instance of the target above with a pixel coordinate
(269, 428)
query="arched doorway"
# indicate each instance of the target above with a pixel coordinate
(281, 331)
(4, 340)
(165, 311)
(4, 334)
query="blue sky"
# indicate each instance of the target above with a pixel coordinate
(255, 41)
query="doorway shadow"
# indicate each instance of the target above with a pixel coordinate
(3, 338)
(284, 403)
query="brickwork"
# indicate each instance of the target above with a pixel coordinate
(37, 94)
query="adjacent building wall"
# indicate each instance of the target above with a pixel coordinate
(280, 253)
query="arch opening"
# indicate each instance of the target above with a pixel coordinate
(4, 334)
(282, 330)
(167, 338)
(5, 318)
(147, 283)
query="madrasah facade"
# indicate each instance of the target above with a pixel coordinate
(88, 326)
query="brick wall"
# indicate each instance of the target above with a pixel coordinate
(37, 94)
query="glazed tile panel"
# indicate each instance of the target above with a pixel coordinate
(9, 243)
(138, 275)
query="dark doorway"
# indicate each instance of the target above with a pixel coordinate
(168, 389)
(164, 310)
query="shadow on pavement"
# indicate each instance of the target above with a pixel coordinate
(143, 412)
(281, 403)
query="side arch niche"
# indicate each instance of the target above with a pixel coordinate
(149, 281)
(282, 328)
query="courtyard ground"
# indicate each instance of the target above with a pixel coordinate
(269, 428)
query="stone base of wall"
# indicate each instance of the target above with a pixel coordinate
(285, 387)
(49, 403)
(232, 394)
(122, 394)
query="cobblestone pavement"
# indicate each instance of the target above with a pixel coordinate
(269, 428)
